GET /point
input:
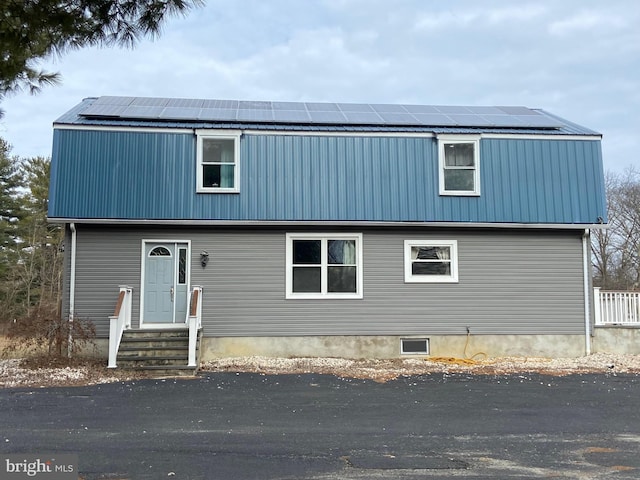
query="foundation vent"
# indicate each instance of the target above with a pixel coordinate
(414, 346)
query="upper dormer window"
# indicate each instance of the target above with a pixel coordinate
(459, 163)
(218, 163)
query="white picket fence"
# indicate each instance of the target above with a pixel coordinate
(617, 308)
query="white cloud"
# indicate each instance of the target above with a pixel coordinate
(577, 58)
(479, 18)
(586, 21)
(521, 13)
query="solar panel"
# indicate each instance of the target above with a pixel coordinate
(434, 119)
(184, 102)
(149, 102)
(363, 118)
(398, 118)
(327, 117)
(104, 110)
(355, 107)
(360, 114)
(388, 108)
(452, 109)
(250, 115)
(181, 113)
(137, 111)
(485, 110)
(288, 106)
(220, 104)
(254, 105)
(420, 109)
(322, 107)
(291, 116)
(469, 120)
(503, 121)
(109, 100)
(518, 111)
(214, 114)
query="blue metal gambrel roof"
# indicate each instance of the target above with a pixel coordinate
(112, 168)
(553, 125)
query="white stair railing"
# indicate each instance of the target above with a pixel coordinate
(119, 322)
(617, 308)
(194, 321)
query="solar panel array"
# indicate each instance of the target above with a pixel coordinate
(144, 108)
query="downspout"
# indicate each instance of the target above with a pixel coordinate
(587, 303)
(72, 287)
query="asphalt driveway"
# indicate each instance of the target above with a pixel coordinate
(250, 426)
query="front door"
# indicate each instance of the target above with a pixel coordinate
(166, 283)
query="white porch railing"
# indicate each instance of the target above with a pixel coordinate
(617, 308)
(119, 322)
(194, 321)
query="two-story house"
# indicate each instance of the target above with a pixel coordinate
(330, 229)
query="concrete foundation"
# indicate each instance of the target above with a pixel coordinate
(610, 339)
(389, 346)
(616, 339)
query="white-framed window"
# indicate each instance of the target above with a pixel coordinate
(414, 346)
(324, 265)
(431, 261)
(218, 162)
(459, 164)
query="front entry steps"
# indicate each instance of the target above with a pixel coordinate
(161, 352)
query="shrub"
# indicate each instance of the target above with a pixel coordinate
(44, 331)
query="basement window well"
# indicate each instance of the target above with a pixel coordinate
(414, 346)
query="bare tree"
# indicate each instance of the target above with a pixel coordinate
(616, 250)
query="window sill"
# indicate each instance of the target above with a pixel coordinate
(217, 190)
(460, 194)
(306, 296)
(431, 280)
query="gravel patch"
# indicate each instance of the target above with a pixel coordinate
(384, 370)
(23, 373)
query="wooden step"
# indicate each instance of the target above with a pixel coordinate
(136, 361)
(154, 342)
(157, 332)
(161, 352)
(151, 351)
(165, 370)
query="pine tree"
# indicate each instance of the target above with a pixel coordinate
(34, 30)
(39, 252)
(11, 182)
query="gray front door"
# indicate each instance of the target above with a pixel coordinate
(166, 278)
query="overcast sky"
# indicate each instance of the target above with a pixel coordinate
(579, 59)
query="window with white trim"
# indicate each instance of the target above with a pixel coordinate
(431, 261)
(218, 163)
(414, 346)
(324, 265)
(459, 164)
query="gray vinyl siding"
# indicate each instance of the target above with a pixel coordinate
(510, 282)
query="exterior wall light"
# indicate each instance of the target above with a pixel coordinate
(204, 258)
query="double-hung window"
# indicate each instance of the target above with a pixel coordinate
(324, 265)
(431, 261)
(459, 164)
(218, 162)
